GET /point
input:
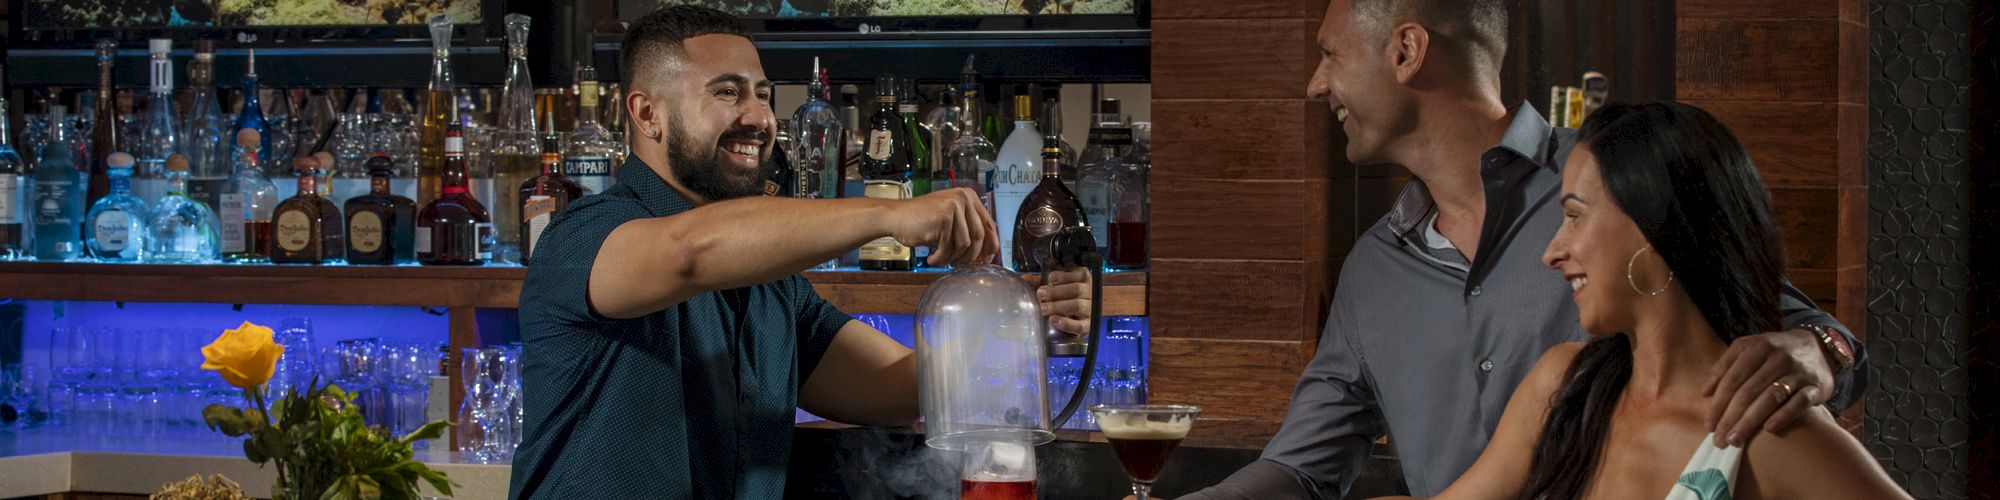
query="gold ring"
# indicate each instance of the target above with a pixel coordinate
(1784, 390)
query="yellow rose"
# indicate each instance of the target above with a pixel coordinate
(245, 356)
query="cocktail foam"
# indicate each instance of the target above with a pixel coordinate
(1135, 426)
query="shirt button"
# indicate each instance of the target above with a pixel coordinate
(1486, 365)
(1475, 291)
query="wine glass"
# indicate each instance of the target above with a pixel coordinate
(1144, 436)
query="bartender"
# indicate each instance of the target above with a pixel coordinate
(667, 333)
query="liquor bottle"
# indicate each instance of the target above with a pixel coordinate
(1131, 203)
(856, 143)
(115, 230)
(942, 126)
(587, 157)
(104, 130)
(1052, 126)
(886, 168)
(545, 196)
(203, 131)
(279, 130)
(1109, 137)
(454, 228)
(160, 138)
(1050, 208)
(252, 114)
(970, 158)
(995, 126)
(439, 107)
(916, 142)
(779, 177)
(245, 208)
(179, 229)
(817, 137)
(1558, 106)
(1017, 171)
(59, 191)
(16, 189)
(306, 227)
(513, 147)
(381, 226)
(1596, 89)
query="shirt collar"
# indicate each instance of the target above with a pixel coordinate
(1527, 138)
(654, 193)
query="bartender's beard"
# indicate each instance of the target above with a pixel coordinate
(700, 168)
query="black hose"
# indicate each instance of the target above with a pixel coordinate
(1089, 259)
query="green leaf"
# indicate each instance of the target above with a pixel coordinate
(433, 430)
(231, 421)
(437, 479)
(255, 455)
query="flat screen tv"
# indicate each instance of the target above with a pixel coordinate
(326, 19)
(782, 19)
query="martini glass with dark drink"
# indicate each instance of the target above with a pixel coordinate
(1144, 436)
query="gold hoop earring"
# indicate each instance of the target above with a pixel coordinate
(1635, 283)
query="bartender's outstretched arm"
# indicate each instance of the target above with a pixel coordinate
(651, 264)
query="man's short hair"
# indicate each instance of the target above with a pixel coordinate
(663, 33)
(1482, 24)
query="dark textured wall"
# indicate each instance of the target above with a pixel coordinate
(1927, 308)
(1984, 307)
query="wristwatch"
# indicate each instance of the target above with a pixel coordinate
(1834, 345)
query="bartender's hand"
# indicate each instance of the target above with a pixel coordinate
(1066, 300)
(952, 222)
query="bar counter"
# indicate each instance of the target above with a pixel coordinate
(828, 461)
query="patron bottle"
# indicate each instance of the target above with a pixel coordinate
(970, 159)
(1017, 171)
(1050, 208)
(181, 230)
(587, 158)
(116, 224)
(886, 169)
(454, 229)
(438, 113)
(381, 226)
(245, 208)
(545, 196)
(59, 191)
(307, 226)
(160, 138)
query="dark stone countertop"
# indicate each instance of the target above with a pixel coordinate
(894, 464)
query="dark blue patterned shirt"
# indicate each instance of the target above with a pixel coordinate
(694, 401)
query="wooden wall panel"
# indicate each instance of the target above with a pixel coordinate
(1771, 60)
(1789, 141)
(1278, 139)
(1241, 300)
(1238, 220)
(1740, 9)
(1228, 378)
(1233, 58)
(1808, 221)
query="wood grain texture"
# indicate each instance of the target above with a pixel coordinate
(1852, 132)
(1273, 139)
(1239, 9)
(1853, 71)
(1851, 275)
(1238, 220)
(1232, 58)
(1791, 142)
(1819, 284)
(1757, 60)
(1739, 9)
(1238, 300)
(1228, 379)
(1808, 220)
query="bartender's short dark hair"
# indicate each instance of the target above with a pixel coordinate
(1480, 25)
(651, 39)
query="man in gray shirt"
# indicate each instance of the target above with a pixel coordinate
(1444, 304)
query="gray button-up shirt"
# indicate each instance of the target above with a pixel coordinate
(1427, 347)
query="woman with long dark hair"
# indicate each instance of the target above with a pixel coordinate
(1670, 245)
